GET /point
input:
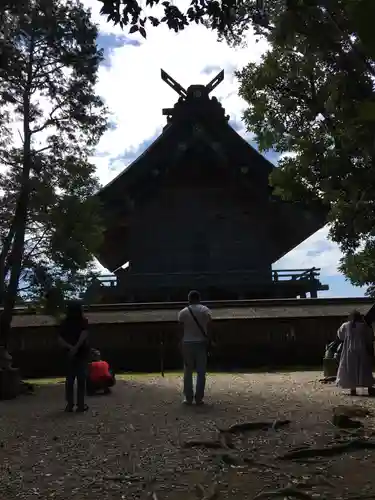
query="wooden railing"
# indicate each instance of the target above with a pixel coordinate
(307, 275)
(296, 274)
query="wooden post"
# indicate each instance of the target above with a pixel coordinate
(162, 354)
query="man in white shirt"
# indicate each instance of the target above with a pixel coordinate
(195, 320)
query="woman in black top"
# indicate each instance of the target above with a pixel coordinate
(73, 337)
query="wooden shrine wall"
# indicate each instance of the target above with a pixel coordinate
(241, 343)
(197, 229)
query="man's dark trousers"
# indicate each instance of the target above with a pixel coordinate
(76, 369)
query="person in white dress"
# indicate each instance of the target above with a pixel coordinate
(356, 361)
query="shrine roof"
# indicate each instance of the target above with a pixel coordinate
(196, 117)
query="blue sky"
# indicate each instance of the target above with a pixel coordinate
(130, 83)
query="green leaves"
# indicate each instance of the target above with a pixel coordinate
(49, 85)
(219, 15)
(313, 95)
(360, 267)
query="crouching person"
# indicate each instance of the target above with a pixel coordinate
(100, 377)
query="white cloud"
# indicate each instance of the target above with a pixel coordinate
(317, 251)
(135, 94)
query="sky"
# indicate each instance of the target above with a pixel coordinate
(130, 83)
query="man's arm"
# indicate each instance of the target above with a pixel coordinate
(341, 332)
(81, 340)
(209, 324)
(60, 339)
(63, 343)
(180, 326)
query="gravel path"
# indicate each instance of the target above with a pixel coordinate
(131, 441)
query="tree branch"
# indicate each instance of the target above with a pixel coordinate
(8, 162)
(44, 75)
(25, 288)
(41, 150)
(27, 256)
(360, 55)
(40, 62)
(50, 119)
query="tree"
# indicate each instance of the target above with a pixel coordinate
(219, 16)
(48, 226)
(58, 245)
(132, 13)
(313, 96)
(231, 18)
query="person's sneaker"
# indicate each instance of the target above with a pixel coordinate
(69, 408)
(200, 402)
(187, 402)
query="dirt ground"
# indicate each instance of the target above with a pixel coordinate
(132, 442)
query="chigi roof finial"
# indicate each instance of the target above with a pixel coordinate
(194, 95)
(184, 93)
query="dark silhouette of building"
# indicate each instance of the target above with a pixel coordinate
(195, 210)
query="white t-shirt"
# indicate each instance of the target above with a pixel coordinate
(192, 332)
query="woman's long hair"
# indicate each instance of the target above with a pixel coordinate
(74, 311)
(356, 317)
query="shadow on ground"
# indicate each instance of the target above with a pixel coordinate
(131, 441)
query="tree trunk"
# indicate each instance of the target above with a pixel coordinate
(4, 255)
(15, 258)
